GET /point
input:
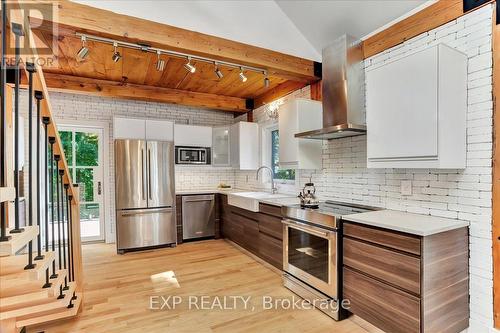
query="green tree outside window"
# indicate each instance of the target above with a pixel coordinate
(283, 174)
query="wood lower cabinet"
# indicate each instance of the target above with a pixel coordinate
(259, 233)
(403, 283)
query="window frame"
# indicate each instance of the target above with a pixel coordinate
(266, 145)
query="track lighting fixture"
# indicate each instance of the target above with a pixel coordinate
(160, 63)
(243, 78)
(116, 55)
(190, 68)
(218, 72)
(84, 51)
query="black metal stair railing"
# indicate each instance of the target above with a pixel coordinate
(57, 158)
(70, 231)
(63, 237)
(52, 140)
(68, 226)
(46, 122)
(3, 125)
(18, 32)
(39, 256)
(30, 67)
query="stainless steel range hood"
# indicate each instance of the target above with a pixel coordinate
(343, 91)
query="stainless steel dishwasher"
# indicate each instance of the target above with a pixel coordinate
(198, 216)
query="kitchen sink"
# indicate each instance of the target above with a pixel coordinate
(250, 200)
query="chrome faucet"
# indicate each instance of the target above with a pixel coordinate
(273, 188)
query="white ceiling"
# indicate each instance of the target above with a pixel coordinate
(301, 28)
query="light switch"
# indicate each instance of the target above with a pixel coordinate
(406, 187)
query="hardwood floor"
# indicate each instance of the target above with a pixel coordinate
(117, 290)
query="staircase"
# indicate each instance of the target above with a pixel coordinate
(40, 255)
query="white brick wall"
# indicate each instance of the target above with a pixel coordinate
(463, 194)
(77, 108)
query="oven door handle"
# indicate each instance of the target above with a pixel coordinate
(307, 228)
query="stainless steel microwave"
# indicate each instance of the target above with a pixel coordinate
(192, 155)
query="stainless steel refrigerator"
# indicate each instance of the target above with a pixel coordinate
(145, 194)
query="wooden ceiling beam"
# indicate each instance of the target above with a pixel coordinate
(73, 17)
(114, 89)
(431, 17)
(277, 92)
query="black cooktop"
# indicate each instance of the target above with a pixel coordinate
(336, 208)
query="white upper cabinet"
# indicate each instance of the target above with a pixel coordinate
(192, 136)
(126, 128)
(300, 115)
(244, 145)
(159, 130)
(141, 129)
(221, 146)
(416, 111)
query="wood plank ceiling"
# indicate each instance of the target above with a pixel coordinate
(137, 69)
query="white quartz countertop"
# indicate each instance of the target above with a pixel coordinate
(206, 191)
(416, 224)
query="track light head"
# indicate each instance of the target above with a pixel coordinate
(266, 82)
(243, 77)
(218, 72)
(160, 63)
(116, 55)
(84, 51)
(190, 68)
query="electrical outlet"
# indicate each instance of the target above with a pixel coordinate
(406, 188)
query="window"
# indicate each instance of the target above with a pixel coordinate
(283, 174)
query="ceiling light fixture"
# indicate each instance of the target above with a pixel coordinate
(217, 71)
(116, 55)
(190, 68)
(84, 51)
(272, 109)
(266, 82)
(243, 78)
(160, 63)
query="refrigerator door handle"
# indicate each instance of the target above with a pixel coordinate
(142, 175)
(149, 174)
(145, 212)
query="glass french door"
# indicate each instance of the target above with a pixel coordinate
(83, 147)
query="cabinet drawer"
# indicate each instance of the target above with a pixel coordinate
(398, 269)
(390, 239)
(271, 250)
(271, 226)
(244, 213)
(270, 210)
(386, 307)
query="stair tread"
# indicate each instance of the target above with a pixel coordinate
(7, 194)
(14, 288)
(18, 241)
(55, 314)
(13, 266)
(49, 304)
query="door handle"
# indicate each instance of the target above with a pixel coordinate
(142, 175)
(146, 212)
(306, 228)
(149, 174)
